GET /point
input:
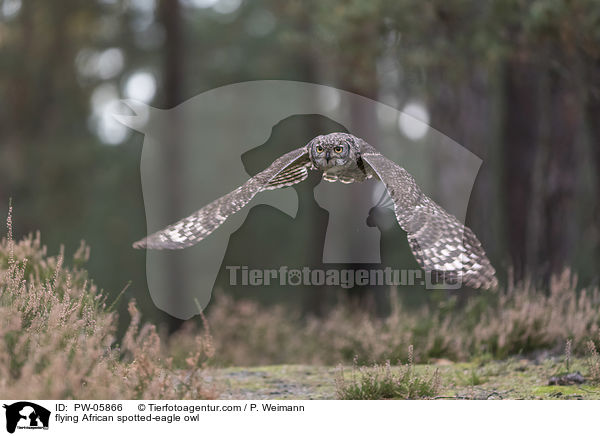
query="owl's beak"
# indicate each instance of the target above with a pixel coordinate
(327, 155)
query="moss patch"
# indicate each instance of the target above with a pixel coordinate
(508, 379)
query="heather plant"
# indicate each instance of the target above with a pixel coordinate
(54, 321)
(58, 338)
(520, 319)
(384, 382)
(593, 364)
(568, 354)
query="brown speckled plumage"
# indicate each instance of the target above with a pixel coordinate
(439, 241)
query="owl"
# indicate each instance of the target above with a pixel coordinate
(441, 244)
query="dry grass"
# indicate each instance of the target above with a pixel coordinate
(383, 382)
(494, 324)
(593, 364)
(57, 336)
(53, 320)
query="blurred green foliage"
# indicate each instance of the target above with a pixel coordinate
(515, 81)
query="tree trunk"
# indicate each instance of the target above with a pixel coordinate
(560, 171)
(170, 16)
(520, 127)
(592, 118)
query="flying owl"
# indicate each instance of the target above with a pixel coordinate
(439, 241)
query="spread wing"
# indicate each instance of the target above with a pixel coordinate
(441, 244)
(289, 169)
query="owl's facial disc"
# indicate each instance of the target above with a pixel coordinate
(328, 152)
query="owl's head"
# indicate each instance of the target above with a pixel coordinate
(335, 149)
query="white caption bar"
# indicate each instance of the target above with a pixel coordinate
(23, 417)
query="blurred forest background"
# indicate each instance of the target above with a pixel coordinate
(517, 82)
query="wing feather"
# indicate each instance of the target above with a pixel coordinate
(441, 244)
(289, 169)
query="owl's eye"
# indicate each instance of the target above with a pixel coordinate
(338, 149)
(319, 149)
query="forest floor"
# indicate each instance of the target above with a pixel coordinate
(514, 378)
